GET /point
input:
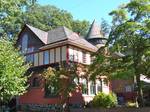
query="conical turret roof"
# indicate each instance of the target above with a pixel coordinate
(94, 31)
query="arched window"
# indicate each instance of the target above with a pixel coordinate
(35, 82)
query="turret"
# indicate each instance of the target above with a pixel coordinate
(95, 35)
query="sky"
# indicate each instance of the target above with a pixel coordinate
(86, 9)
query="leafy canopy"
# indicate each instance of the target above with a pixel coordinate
(62, 80)
(16, 13)
(129, 40)
(131, 34)
(12, 70)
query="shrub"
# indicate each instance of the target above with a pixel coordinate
(131, 104)
(105, 100)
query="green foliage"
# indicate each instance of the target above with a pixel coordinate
(105, 27)
(99, 65)
(131, 36)
(15, 13)
(129, 41)
(131, 104)
(12, 70)
(48, 17)
(105, 100)
(51, 81)
(10, 15)
(80, 27)
(62, 80)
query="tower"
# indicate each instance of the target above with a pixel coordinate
(95, 35)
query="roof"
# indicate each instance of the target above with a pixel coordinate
(94, 31)
(42, 35)
(60, 34)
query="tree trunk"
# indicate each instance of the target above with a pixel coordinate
(139, 91)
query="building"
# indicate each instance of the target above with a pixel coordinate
(54, 48)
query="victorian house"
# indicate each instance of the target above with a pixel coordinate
(59, 46)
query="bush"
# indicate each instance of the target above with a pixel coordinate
(131, 104)
(104, 100)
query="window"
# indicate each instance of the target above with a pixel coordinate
(30, 58)
(105, 81)
(84, 86)
(75, 55)
(71, 56)
(92, 88)
(99, 86)
(84, 57)
(35, 82)
(46, 57)
(24, 43)
(36, 59)
(30, 49)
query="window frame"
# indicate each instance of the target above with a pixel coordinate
(46, 57)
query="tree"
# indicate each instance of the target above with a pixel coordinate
(128, 44)
(13, 82)
(80, 27)
(130, 35)
(15, 13)
(105, 27)
(63, 82)
(49, 17)
(10, 13)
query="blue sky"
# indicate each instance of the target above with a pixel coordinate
(86, 9)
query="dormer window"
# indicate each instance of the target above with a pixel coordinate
(24, 43)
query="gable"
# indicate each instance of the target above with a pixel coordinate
(32, 41)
